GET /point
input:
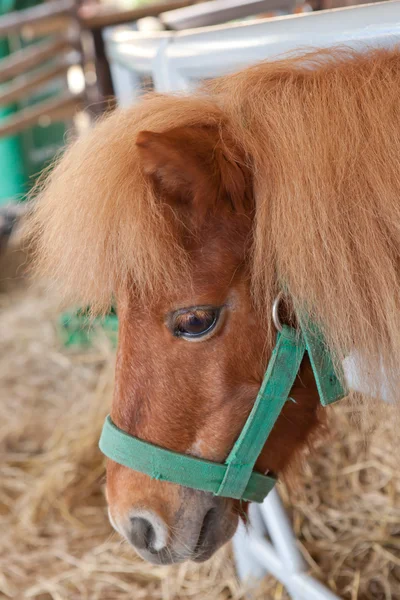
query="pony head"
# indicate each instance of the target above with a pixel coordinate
(191, 213)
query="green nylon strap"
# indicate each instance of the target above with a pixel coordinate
(166, 465)
(235, 478)
(274, 392)
(328, 384)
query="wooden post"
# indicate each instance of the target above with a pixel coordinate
(104, 81)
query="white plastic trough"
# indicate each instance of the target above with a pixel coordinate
(177, 61)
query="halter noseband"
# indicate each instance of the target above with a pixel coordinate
(235, 478)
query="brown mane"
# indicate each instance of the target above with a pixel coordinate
(321, 134)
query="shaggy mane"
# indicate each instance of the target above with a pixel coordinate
(95, 221)
(321, 133)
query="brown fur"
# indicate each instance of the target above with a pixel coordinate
(283, 175)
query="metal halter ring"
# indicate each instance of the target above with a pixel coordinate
(275, 312)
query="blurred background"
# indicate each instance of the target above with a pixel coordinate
(62, 65)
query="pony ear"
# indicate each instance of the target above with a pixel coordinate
(194, 167)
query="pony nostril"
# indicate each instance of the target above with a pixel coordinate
(207, 525)
(142, 533)
(146, 531)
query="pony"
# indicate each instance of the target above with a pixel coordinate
(192, 213)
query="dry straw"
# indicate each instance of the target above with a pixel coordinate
(55, 540)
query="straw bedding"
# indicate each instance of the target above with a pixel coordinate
(55, 540)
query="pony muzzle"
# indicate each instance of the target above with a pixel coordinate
(198, 525)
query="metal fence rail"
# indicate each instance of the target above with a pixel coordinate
(178, 60)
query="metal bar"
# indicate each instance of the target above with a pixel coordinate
(264, 552)
(257, 525)
(204, 53)
(281, 533)
(126, 84)
(299, 585)
(248, 569)
(134, 50)
(223, 49)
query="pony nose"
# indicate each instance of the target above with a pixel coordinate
(147, 532)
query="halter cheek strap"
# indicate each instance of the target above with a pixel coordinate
(274, 392)
(235, 478)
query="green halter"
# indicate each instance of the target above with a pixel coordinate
(235, 478)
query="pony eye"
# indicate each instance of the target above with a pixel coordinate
(194, 322)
